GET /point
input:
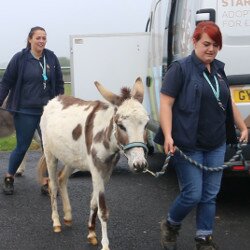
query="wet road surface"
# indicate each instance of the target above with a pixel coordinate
(137, 204)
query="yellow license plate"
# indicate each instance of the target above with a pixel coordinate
(241, 95)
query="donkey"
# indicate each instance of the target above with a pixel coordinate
(7, 128)
(90, 135)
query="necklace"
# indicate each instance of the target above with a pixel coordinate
(215, 90)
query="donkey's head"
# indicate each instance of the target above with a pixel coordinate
(129, 123)
(6, 122)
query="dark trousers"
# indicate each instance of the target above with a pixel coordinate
(25, 123)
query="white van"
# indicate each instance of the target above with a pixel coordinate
(118, 59)
(171, 25)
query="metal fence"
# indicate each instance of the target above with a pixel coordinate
(65, 71)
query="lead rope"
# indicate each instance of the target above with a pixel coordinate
(228, 164)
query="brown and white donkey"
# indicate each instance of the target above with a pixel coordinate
(90, 135)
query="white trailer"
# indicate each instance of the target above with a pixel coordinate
(115, 60)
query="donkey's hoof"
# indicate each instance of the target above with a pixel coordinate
(68, 223)
(92, 240)
(57, 229)
(19, 174)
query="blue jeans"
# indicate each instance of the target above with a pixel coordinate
(198, 188)
(25, 125)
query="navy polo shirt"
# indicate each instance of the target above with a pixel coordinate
(33, 93)
(211, 129)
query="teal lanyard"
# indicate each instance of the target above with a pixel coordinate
(45, 78)
(215, 90)
(44, 75)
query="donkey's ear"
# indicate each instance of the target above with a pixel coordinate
(138, 91)
(108, 95)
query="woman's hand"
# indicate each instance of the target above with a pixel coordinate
(169, 145)
(166, 104)
(240, 124)
(244, 136)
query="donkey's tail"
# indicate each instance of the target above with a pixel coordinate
(42, 169)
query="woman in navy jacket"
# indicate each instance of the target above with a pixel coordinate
(32, 77)
(197, 115)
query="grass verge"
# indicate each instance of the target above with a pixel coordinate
(9, 143)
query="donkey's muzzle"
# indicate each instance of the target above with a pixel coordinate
(140, 167)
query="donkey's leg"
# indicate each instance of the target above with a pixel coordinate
(63, 182)
(92, 220)
(37, 138)
(22, 166)
(52, 171)
(103, 215)
(102, 212)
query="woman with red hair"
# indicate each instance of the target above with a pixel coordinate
(198, 116)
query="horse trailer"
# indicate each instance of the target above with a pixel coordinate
(168, 37)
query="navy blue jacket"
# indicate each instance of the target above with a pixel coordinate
(11, 83)
(186, 108)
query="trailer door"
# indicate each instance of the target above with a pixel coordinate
(115, 60)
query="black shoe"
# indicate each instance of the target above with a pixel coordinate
(169, 235)
(8, 185)
(45, 189)
(205, 243)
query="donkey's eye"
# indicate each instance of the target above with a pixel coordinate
(121, 127)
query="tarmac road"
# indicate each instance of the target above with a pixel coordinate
(137, 204)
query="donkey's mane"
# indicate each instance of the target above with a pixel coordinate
(125, 93)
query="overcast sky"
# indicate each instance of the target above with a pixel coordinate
(62, 18)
